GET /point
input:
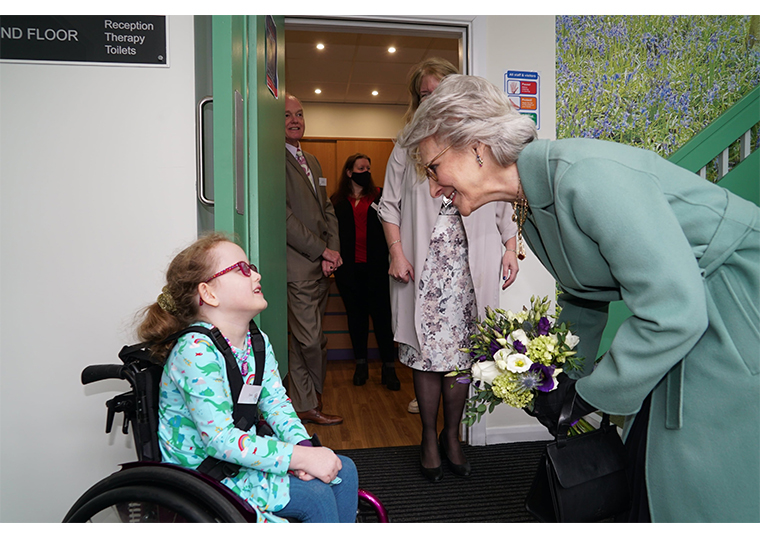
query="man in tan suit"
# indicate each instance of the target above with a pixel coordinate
(313, 255)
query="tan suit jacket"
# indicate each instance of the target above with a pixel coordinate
(311, 222)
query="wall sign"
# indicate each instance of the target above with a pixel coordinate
(135, 40)
(524, 91)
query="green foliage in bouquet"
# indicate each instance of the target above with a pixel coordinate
(515, 356)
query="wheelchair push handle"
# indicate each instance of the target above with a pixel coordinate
(99, 372)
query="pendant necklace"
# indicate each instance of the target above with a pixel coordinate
(520, 209)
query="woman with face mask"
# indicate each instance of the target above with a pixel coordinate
(363, 278)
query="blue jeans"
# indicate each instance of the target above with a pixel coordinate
(314, 501)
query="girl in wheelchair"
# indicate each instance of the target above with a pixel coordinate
(283, 475)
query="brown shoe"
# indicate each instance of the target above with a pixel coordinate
(317, 417)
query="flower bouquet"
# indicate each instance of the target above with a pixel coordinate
(514, 356)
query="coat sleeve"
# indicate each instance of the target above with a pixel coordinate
(507, 228)
(390, 204)
(199, 372)
(626, 214)
(333, 241)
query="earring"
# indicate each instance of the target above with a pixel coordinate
(479, 159)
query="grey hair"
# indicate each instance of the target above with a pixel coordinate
(465, 110)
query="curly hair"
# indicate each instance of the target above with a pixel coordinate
(177, 306)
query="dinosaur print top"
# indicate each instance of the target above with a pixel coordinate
(195, 421)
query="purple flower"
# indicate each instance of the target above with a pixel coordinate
(545, 374)
(519, 347)
(543, 326)
(494, 347)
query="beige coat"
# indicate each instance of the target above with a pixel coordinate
(407, 203)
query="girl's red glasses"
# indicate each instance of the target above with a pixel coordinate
(245, 268)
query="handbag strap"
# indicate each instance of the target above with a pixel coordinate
(565, 417)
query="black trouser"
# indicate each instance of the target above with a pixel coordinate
(365, 293)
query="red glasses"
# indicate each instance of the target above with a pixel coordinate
(245, 268)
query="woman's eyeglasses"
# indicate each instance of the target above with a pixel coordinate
(429, 171)
(245, 268)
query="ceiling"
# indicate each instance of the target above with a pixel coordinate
(353, 65)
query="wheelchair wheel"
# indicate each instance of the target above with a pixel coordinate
(170, 487)
(140, 504)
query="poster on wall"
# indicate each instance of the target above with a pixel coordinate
(270, 53)
(124, 40)
(524, 91)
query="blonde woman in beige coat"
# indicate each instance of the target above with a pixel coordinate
(445, 269)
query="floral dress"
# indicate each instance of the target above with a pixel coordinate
(448, 310)
(195, 421)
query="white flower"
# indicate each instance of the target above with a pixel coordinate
(517, 363)
(571, 340)
(485, 371)
(519, 336)
(501, 357)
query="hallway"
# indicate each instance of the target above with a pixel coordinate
(373, 415)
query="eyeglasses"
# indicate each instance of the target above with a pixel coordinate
(245, 268)
(429, 172)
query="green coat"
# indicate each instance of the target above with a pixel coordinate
(612, 222)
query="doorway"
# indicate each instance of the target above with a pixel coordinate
(350, 75)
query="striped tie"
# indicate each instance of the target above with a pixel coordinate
(302, 161)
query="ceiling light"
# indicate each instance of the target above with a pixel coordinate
(375, 92)
(392, 49)
(317, 91)
(320, 46)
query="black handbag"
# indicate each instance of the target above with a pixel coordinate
(580, 479)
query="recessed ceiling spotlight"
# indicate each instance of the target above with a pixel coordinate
(320, 46)
(391, 49)
(375, 92)
(317, 91)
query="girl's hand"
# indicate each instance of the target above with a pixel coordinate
(316, 462)
(302, 475)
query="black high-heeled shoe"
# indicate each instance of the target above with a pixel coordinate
(464, 469)
(361, 374)
(434, 475)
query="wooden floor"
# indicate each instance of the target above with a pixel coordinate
(373, 415)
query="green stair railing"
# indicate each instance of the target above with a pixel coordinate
(709, 154)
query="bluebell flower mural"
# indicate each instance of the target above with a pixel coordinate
(650, 81)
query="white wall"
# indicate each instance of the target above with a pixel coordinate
(525, 43)
(97, 172)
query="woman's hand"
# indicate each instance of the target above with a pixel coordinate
(315, 462)
(509, 268)
(401, 270)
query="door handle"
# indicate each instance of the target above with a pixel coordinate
(200, 148)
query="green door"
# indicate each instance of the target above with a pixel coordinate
(249, 154)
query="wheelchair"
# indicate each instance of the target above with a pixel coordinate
(149, 491)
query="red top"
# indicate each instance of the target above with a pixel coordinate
(360, 222)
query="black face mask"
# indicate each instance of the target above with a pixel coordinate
(363, 179)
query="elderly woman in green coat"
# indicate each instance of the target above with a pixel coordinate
(612, 222)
